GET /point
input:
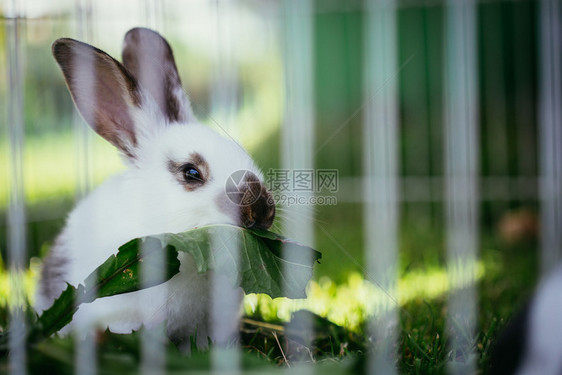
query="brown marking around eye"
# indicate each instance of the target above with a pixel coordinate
(199, 162)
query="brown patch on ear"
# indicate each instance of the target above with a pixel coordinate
(172, 106)
(149, 57)
(102, 90)
(113, 138)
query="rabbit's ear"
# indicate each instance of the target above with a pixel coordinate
(148, 56)
(104, 92)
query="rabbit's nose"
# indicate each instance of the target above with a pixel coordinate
(261, 213)
(255, 204)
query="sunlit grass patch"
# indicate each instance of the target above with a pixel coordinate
(351, 303)
(18, 288)
(348, 304)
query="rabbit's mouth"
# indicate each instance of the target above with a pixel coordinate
(249, 200)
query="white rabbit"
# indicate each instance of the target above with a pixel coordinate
(174, 181)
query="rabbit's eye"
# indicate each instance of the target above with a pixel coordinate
(191, 174)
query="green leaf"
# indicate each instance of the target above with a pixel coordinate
(258, 261)
(59, 315)
(120, 273)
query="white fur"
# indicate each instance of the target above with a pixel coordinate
(143, 200)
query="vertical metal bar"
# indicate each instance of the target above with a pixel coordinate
(153, 353)
(297, 133)
(380, 190)
(225, 301)
(85, 346)
(16, 210)
(550, 134)
(82, 133)
(298, 119)
(224, 314)
(461, 147)
(152, 14)
(225, 78)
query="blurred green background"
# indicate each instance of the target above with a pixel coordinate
(507, 123)
(507, 55)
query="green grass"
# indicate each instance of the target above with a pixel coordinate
(339, 339)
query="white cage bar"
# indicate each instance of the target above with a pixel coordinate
(17, 223)
(550, 133)
(461, 170)
(297, 133)
(153, 354)
(224, 99)
(298, 117)
(85, 354)
(380, 189)
(84, 29)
